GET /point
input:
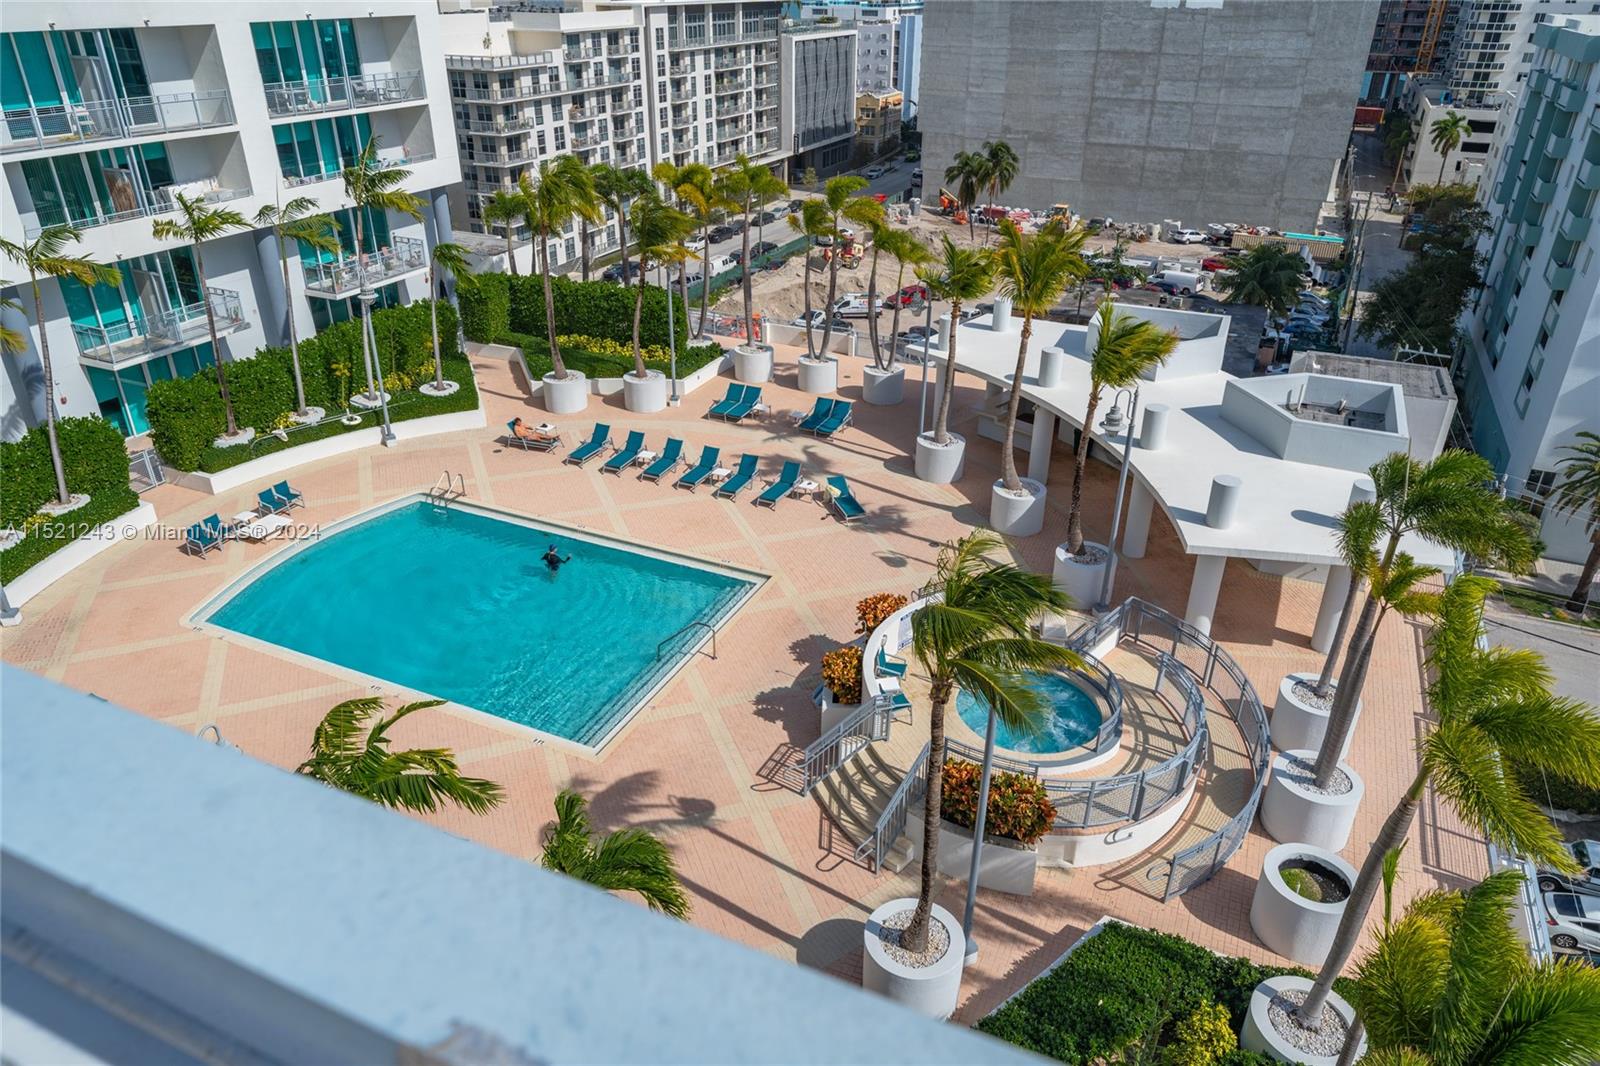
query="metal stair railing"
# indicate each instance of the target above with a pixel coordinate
(828, 752)
(448, 487)
(892, 819)
(697, 623)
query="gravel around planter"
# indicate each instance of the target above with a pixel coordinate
(891, 928)
(1302, 774)
(1307, 694)
(1326, 1041)
(1091, 555)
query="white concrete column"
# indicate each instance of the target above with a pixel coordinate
(1044, 435)
(1224, 501)
(1153, 433)
(1001, 320)
(945, 326)
(1141, 504)
(1203, 589)
(1050, 363)
(1335, 590)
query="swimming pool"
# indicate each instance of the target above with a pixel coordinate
(1073, 722)
(455, 602)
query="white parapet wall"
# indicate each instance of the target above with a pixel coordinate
(47, 571)
(612, 386)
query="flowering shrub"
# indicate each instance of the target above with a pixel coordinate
(875, 609)
(1019, 807)
(841, 672)
(653, 353)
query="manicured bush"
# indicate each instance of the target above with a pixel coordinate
(1557, 793)
(92, 456)
(262, 388)
(46, 536)
(498, 305)
(486, 307)
(1019, 807)
(185, 416)
(841, 672)
(873, 611)
(613, 363)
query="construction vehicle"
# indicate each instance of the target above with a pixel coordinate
(1061, 211)
(948, 204)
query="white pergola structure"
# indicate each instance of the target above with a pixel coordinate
(1252, 468)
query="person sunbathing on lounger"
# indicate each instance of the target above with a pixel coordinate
(527, 432)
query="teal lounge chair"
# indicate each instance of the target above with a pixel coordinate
(837, 419)
(701, 470)
(545, 444)
(284, 492)
(270, 502)
(746, 404)
(845, 504)
(203, 536)
(741, 477)
(721, 408)
(781, 487)
(628, 455)
(819, 414)
(892, 667)
(598, 442)
(665, 463)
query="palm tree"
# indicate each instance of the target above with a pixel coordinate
(46, 255)
(1268, 275)
(505, 207)
(1002, 165)
(1033, 271)
(1451, 983)
(906, 250)
(1126, 349)
(670, 175)
(452, 258)
(811, 222)
(960, 276)
(629, 860)
(420, 780)
(562, 193)
(698, 189)
(660, 230)
(969, 173)
(12, 341)
(1357, 533)
(841, 204)
(374, 186)
(975, 636)
(749, 185)
(197, 223)
(1445, 135)
(616, 187)
(300, 220)
(1578, 495)
(1449, 501)
(1492, 708)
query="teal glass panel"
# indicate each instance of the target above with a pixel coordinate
(47, 204)
(80, 304)
(108, 398)
(158, 369)
(131, 378)
(36, 69)
(349, 147)
(328, 47)
(328, 147)
(310, 53)
(128, 63)
(96, 163)
(81, 202)
(156, 164)
(363, 131)
(352, 58)
(288, 55)
(288, 162)
(202, 353)
(185, 363)
(13, 90)
(64, 60)
(266, 52)
(185, 284)
(305, 143)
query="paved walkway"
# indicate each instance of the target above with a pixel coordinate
(695, 764)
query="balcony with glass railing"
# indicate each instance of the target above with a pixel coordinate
(578, 55)
(732, 107)
(388, 157)
(501, 128)
(161, 201)
(588, 140)
(318, 95)
(180, 327)
(600, 81)
(727, 62)
(513, 62)
(733, 85)
(403, 257)
(26, 128)
(680, 119)
(504, 158)
(578, 114)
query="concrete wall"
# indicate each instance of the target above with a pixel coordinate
(1202, 339)
(1233, 110)
(1257, 406)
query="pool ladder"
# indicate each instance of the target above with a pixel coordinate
(448, 487)
(692, 625)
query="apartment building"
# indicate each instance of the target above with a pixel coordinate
(1426, 101)
(111, 111)
(1530, 368)
(888, 45)
(877, 123)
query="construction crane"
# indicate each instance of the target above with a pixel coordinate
(1431, 26)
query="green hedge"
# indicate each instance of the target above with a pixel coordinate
(92, 455)
(45, 540)
(497, 304)
(536, 353)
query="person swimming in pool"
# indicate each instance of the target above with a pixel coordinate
(553, 559)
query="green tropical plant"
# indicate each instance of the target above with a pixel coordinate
(975, 635)
(1126, 349)
(660, 230)
(506, 208)
(749, 185)
(350, 751)
(1357, 535)
(670, 175)
(1034, 271)
(12, 341)
(629, 860)
(616, 187)
(702, 197)
(373, 185)
(1001, 167)
(1492, 708)
(841, 204)
(906, 250)
(959, 275)
(563, 192)
(1268, 274)
(1578, 495)
(299, 220)
(811, 222)
(1445, 135)
(452, 258)
(969, 173)
(47, 255)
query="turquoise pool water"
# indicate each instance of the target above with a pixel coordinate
(1074, 719)
(459, 605)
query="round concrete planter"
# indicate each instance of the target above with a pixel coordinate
(883, 387)
(819, 376)
(752, 363)
(1288, 922)
(1297, 724)
(940, 464)
(565, 397)
(1262, 1037)
(931, 991)
(1291, 812)
(1017, 515)
(644, 395)
(1079, 579)
(440, 391)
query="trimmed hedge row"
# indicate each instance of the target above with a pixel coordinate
(47, 538)
(536, 353)
(498, 304)
(92, 455)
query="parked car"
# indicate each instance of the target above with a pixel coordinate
(856, 305)
(1188, 236)
(721, 233)
(1314, 297)
(912, 155)
(1182, 282)
(694, 244)
(795, 205)
(614, 272)
(873, 172)
(1162, 286)
(916, 175)
(819, 320)
(907, 296)
(1587, 854)
(767, 218)
(1573, 920)
(1212, 263)
(762, 248)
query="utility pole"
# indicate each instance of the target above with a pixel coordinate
(1357, 256)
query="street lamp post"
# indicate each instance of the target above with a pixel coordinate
(369, 339)
(1111, 423)
(927, 357)
(672, 342)
(977, 839)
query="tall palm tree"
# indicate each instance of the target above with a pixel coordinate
(660, 230)
(1449, 501)
(1002, 166)
(1578, 495)
(1451, 983)
(616, 187)
(198, 222)
(1357, 534)
(373, 185)
(906, 250)
(1445, 135)
(960, 275)
(452, 259)
(840, 202)
(811, 222)
(299, 220)
(969, 173)
(506, 208)
(419, 780)
(749, 185)
(671, 176)
(976, 636)
(47, 255)
(12, 341)
(1492, 707)
(562, 193)
(629, 860)
(1126, 349)
(1268, 275)
(1033, 270)
(702, 196)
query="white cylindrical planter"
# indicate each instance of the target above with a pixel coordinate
(819, 376)
(883, 387)
(930, 990)
(1299, 722)
(565, 397)
(1262, 1036)
(752, 363)
(1288, 922)
(940, 464)
(1081, 577)
(1050, 363)
(1292, 810)
(1017, 515)
(943, 336)
(1224, 502)
(1001, 322)
(1153, 428)
(645, 395)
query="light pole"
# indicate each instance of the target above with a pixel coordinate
(1111, 423)
(927, 357)
(672, 342)
(369, 339)
(977, 839)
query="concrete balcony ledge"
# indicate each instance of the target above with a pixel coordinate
(69, 125)
(317, 95)
(164, 204)
(404, 257)
(132, 342)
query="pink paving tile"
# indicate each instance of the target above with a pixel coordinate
(159, 682)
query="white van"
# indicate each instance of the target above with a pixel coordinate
(1185, 283)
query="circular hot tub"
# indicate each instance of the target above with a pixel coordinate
(1068, 732)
